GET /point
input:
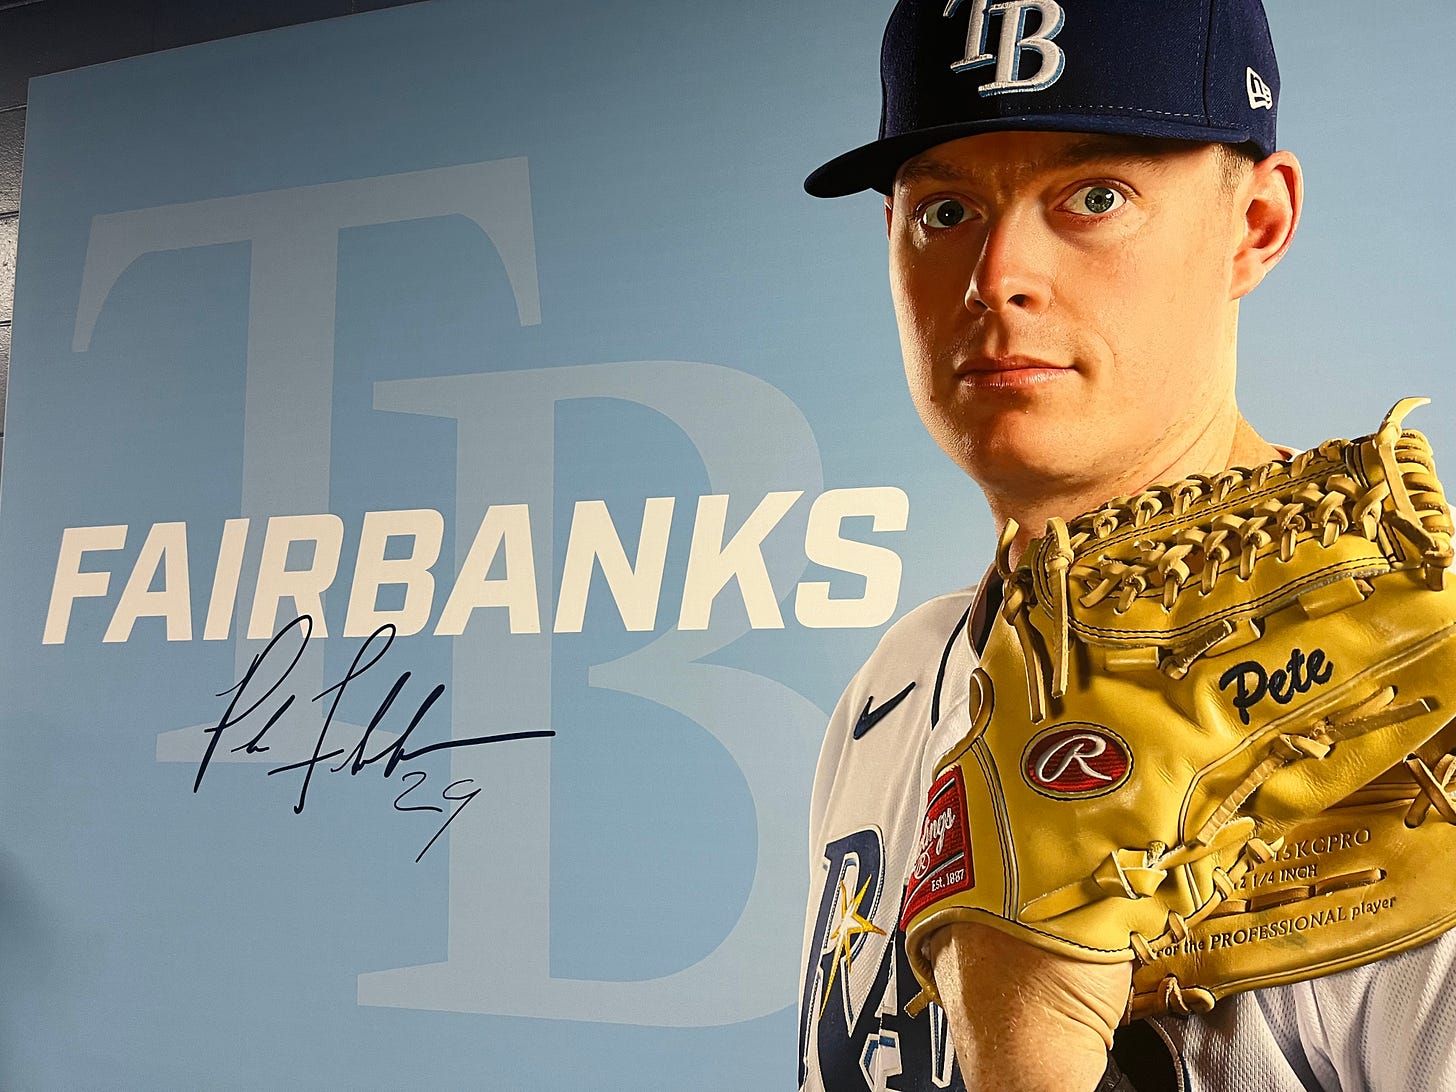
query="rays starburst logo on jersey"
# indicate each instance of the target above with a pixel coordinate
(849, 923)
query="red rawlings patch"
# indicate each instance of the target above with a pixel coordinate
(1073, 760)
(943, 865)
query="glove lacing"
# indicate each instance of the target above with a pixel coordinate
(1332, 503)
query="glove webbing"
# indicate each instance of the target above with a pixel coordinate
(1329, 508)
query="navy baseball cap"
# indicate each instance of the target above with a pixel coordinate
(1201, 70)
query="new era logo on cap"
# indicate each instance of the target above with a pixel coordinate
(1260, 97)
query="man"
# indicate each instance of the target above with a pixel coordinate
(1078, 193)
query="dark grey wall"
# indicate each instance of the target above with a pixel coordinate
(42, 36)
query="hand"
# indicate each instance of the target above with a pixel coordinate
(1023, 1019)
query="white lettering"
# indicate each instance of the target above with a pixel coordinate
(70, 582)
(881, 568)
(425, 528)
(635, 588)
(225, 581)
(505, 529)
(1074, 750)
(711, 565)
(935, 829)
(976, 54)
(1012, 43)
(498, 570)
(306, 586)
(164, 550)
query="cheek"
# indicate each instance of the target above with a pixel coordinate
(929, 311)
(913, 317)
(918, 377)
(1198, 264)
(918, 372)
(903, 290)
(916, 345)
(925, 285)
(1167, 299)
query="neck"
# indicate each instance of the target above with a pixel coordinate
(1223, 444)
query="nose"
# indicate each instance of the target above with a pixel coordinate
(1013, 270)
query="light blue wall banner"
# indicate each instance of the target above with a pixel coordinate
(451, 471)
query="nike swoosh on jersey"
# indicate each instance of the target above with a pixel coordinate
(868, 717)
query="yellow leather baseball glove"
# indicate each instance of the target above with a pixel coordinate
(1210, 731)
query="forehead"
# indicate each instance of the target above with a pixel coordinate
(1032, 153)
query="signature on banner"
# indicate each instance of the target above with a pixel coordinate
(243, 718)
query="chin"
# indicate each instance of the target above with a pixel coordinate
(1023, 455)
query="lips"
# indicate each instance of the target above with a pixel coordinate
(1003, 365)
(1008, 373)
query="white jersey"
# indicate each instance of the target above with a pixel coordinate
(1388, 1026)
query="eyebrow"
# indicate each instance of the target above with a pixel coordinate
(1149, 151)
(922, 169)
(1146, 151)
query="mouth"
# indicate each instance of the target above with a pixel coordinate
(1009, 371)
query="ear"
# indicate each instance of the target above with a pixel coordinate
(1272, 198)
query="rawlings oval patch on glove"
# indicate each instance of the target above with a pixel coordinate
(1177, 699)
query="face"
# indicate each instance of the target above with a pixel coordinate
(1067, 305)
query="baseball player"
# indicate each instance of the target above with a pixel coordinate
(1077, 195)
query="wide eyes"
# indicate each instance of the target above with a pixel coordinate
(1094, 200)
(946, 212)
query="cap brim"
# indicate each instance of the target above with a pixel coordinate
(874, 165)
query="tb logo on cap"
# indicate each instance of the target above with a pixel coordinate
(1014, 40)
